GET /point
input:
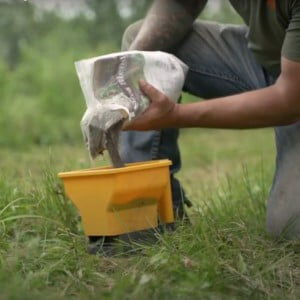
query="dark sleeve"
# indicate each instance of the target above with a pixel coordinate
(291, 45)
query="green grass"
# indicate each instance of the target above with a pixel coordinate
(224, 254)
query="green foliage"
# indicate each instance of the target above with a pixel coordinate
(18, 21)
(41, 101)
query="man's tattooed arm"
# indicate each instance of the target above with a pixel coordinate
(166, 23)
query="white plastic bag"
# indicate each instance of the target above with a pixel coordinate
(110, 87)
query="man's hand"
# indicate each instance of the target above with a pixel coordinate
(160, 114)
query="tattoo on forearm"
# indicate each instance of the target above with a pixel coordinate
(167, 22)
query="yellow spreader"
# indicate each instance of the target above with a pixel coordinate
(114, 201)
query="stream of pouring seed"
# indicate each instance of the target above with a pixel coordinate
(112, 144)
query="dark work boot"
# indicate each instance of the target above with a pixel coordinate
(101, 245)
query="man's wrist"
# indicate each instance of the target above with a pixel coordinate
(189, 115)
(175, 116)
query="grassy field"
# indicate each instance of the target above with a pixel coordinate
(224, 254)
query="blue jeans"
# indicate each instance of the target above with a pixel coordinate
(220, 64)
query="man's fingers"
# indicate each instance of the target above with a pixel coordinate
(144, 121)
(150, 91)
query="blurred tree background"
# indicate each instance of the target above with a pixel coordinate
(41, 101)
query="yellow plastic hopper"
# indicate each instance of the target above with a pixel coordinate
(114, 201)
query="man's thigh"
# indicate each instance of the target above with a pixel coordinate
(220, 63)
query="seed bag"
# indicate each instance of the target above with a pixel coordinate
(110, 85)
